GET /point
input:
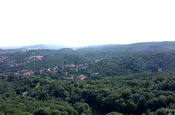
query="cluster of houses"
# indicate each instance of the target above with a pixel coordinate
(49, 70)
(82, 66)
(24, 72)
(2, 58)
(37, 57)
(12, 63)
(54, 69)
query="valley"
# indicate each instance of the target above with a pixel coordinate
(134, 79)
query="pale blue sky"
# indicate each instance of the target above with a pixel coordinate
(85, 22)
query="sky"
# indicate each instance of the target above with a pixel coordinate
(85, 22)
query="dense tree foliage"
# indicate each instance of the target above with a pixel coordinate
(132, 94)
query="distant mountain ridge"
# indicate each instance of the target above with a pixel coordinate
(98, 51)
(35, 47)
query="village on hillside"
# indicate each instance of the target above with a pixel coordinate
(71, 71)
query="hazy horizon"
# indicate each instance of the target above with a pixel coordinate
(82, 23)
(69, 46)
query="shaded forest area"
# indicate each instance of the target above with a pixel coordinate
(149, 93)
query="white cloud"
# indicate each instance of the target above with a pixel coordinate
(80, 22)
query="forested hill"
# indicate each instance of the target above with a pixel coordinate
(104, 50)
(68, 55)
(67, 64)
(117, 50)
(102, 61)
(135, 79)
